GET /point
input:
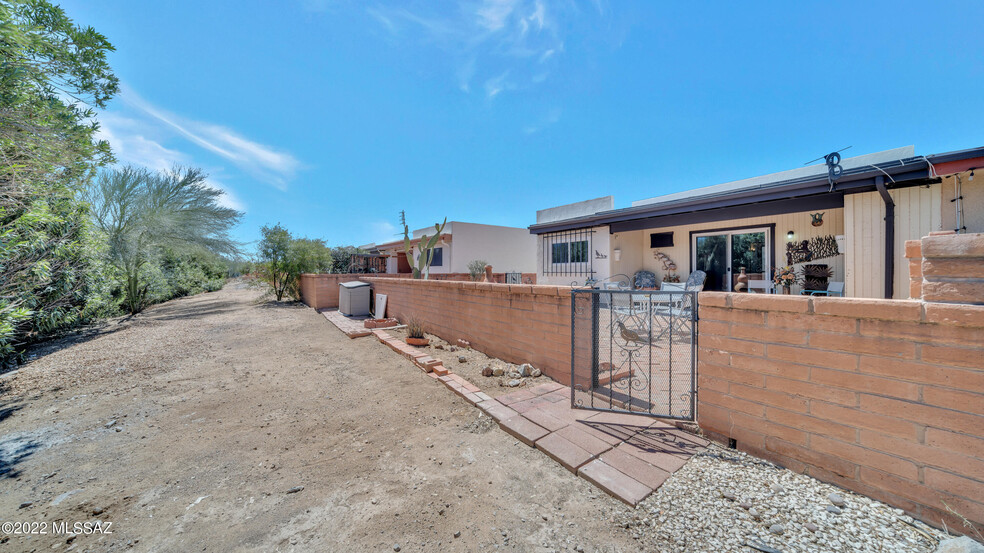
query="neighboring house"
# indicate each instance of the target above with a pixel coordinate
(507, 249)
(856, 223)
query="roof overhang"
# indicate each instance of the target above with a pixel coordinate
(900, 173)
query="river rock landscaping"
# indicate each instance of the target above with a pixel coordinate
(723, 500)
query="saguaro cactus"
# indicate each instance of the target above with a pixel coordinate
(425, 245)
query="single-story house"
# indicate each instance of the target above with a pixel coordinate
(845, 220)
(507, 249)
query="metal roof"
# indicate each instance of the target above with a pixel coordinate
(912, 170)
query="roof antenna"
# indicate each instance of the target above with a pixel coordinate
(834, 168)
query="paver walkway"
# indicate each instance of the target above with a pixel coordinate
(353, 327)
(628, 456)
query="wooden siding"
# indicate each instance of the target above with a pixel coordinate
(917, 213)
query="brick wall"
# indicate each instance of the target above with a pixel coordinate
(884, 397)
(320, 291)
(947, 267)
(516, 323)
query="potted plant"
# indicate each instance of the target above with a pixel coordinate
(785, 277)
(415, 333)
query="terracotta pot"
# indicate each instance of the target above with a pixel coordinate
(418, 341)
(742, 284)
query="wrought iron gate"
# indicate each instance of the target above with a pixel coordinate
(634, 351)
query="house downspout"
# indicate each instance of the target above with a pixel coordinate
(889, 237)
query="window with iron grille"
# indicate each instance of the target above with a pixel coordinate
(568, 252)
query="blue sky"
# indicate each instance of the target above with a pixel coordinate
(330, 116)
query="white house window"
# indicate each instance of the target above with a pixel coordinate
(567, 253)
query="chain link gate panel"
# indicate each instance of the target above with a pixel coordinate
(634, 351)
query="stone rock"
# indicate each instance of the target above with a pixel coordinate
(513, 383)
(755, 514)
(487, 371)
(452, 348)
(111, 423)
(836, 499)
(396, 547)
(439, 346)
(295, 489)
(962, 544)
(833, 509)
(776, 488)
(536, 373)
(745, 505)
(457, 534)
(26, 504)
(498, 371)
(730, 496)
(462, 359)
(514, 374)
(811, 527)
(525, 369)
(777, 529)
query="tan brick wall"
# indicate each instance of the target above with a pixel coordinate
(516, 323)
(885, 397)
(947, 267)
(320, 291)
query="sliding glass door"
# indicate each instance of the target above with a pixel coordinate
(722, 254)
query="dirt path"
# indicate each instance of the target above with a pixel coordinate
(222, 405)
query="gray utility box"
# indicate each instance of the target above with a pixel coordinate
(353, 298)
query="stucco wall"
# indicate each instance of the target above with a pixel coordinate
(507, 249)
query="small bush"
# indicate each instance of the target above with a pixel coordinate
(476, 269)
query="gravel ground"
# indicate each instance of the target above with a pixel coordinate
(471, 368)
(723, 499)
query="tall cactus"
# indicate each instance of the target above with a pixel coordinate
(425, 245)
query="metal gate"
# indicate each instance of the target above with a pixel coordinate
(634, 351)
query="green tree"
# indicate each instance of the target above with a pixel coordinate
(283, 259)
(52, 76)
(142, 214)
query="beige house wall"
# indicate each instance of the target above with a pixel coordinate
(637, 255)
(972, 203)
(917, 213)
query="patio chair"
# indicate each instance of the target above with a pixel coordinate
(833, 289)
(679, 310)
(761, 287)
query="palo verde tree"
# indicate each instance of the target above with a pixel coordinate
(283, 259)
(52, 76)
(142, 214)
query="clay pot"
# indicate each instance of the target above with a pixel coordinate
(742, 281)
(418, 341)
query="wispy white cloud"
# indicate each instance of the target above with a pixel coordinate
(552, 116)
(487, 38)
(262, 161)
(382, 232)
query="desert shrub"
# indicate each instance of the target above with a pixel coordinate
(282, 259)
(476, 269)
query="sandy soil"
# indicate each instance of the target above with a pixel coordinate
(187, 427)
